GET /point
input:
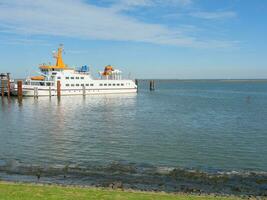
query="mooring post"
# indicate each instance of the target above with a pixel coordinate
(84, 92)
(19, 83)
(35, 92)
(58, 88)
(2, 87)
(50, 94)
(8, 85)
(151, 85)
(136, 83)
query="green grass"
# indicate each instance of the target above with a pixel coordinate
(17, 191)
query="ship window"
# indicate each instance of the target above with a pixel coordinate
(54, 73)
(82, 84)
(100, 84)
(87, 84)
(67, 85)
(91, 84)
(114, 84)
(105, 84)
(72, 85)
(67, 77)
(77, 77)
(109, 84)
(77, 84)
(118, 84)
(82, 77)
(58, 77)
(72, 77)
(122, 84)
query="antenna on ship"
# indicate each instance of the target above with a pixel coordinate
(62, 47)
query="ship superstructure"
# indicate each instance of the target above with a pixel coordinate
(74, 81)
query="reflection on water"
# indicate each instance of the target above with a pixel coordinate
(52, 130)
(211, 126)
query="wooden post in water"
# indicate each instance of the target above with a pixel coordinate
(136, 83)
(20, 93)
(152, 85)
(58, 88)
(8, 85)
(2, 87)
(50, 94)
(84, 91)
(35, 92)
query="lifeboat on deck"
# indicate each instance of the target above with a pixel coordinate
(37, 78)
(108, 70)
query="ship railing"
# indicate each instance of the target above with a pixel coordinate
(39, 83)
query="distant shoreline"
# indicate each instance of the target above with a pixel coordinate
(207, 80)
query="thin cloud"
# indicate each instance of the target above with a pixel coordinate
(75, 18)
(130, 4)
(23, 41)
(180, 2)
(150, 2)
(214, 15)
(123, 5)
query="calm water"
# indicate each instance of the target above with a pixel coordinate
(207, 125)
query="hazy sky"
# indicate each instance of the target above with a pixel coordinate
(147, 38)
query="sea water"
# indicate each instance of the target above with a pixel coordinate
(206, 125)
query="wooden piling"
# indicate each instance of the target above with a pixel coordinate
(50, 94)
(136, 83)
(20, 93)
(84, 91)
(152, 85)
(35, 92)
(8, 87)
(2, 87)
(58, 88)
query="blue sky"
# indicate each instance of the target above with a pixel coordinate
(181, 39)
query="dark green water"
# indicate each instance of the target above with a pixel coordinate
(212, 126)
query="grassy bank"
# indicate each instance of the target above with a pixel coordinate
(17, 191)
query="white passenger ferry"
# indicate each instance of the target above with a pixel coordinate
(74, 81)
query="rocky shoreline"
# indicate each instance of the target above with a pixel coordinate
(142, 178)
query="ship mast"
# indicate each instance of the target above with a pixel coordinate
(58, 56)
